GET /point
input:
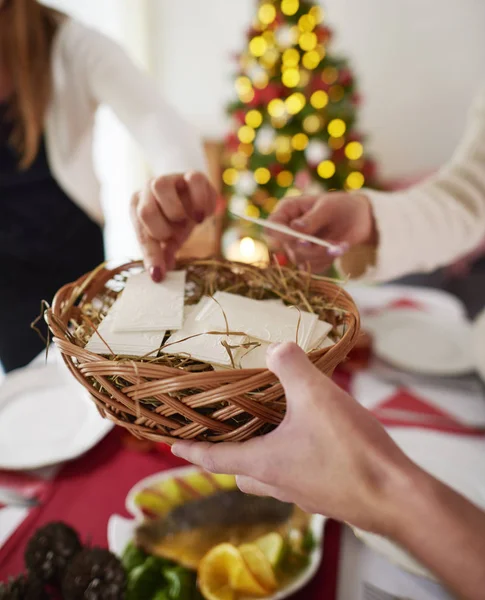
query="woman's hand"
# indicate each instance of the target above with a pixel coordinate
(164, 214)
(338, 217)
(329, 455)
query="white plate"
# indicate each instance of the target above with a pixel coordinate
(121, 530)
(46, 418)
(457, 461)
(422, 342)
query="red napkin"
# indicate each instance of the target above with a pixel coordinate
(406, 409)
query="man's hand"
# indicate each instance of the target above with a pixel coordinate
(338, 217)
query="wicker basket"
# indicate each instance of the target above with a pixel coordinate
(164, 403)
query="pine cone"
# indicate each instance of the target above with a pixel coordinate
(23, 587)
(94, 574)
(50, 550)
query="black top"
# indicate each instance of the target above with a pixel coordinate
(39, 223)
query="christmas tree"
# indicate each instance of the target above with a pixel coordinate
(293, 123)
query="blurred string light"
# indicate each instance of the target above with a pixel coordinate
(290, 7)
(317, 13)
(267, 14)
(246, 134)
(311, 60)
(291, 77)
(262, 175)
(284, 179)
(270, 204)
(306, 23)
(326, 169)
(258, 46)
(277, 108)
(312, 124)
(354, 150)
(336, 128)
(291, 57)
(299, 141)
(319, 99)
(336, 93)
(252, 211)
(295, 103)
(308, 41)
(355, 181)
(254, 119)
(329, 75)
(230, 176)
(336, 143)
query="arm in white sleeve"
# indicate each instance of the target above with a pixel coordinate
(169, 143)
(436, 222)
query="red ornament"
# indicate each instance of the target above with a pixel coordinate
(264, 96)
(239, 116)
(275, 169)
(345, 77)
(281, 259)
(356, 99)
(369, 169)
(231, 142)
(338, 156)
(324, 34)
(317, 84)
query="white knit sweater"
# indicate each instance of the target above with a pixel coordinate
(434, 223)
(90, 70)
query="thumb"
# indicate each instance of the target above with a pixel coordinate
(294, 369)
(317, 218)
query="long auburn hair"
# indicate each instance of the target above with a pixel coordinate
(27, 31)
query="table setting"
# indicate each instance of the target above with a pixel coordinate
(68, 453)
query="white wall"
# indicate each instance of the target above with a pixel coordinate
(419, 63)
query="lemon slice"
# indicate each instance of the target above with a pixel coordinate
(259, 566)
(272, 546)
(223, 572)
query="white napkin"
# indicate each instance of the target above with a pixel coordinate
(148, 306)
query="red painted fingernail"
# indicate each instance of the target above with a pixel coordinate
(199, 216)
(156, 274)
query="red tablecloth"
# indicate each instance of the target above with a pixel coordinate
(89, 490)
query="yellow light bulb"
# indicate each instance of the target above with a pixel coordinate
(262, 176)
(230, 176)
(246, 149)
(304, 78)
(283, 144)
(267, 14)
(307, 23)
(326, 169)
(277, 108)
(270, 58)
(291, 78)
(284, 179)
(319, 99)
(299, 141)
(239, 160)
(336, 128)
(355, 180)
(270, 204)
(279, 122)
(243, 85)
(295, 103)
(261, 82)
(247, 246)
(321, 51)
(354, 150)
(252, 211)
(308, 41)
(268, 37)
(247, 97)
(312, 124)
(336, 93)
(330, 75)
(258, 46)
(317, 13)
(254, 119)
(291, 57)
(311, 60)
(246, 134)
(283, 157)
(290, 7)
(336, 143)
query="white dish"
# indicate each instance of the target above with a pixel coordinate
(121, 530)
(424, 343)
(45, 418)
(457, 461)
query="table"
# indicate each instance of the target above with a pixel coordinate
(90, 489)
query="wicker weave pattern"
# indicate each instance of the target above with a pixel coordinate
(229, 405)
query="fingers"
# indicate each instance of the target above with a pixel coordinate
(249, 485)
(287, 211)
(231, 458)
(294, 369)
(203, 196)
(152, 251)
